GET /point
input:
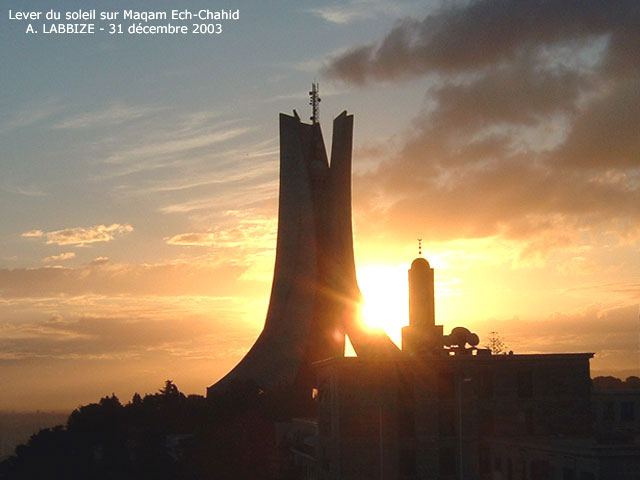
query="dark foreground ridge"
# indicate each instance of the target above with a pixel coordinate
(168, 435)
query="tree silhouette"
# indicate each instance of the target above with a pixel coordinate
(136, 399)
(613, 383)
(170, 389)
(496, 344)
(163, 435)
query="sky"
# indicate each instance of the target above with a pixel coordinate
(139, 178)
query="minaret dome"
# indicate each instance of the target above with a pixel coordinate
(420, 262)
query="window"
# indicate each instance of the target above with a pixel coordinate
(324, 460)
(608, 411)
(540, 470)
(406, 422)
(407, 466)
(497, 464)
(528, 421)
(447, 461)
(485, 460)
(446, 422)
(627, 413)
(446, 386)
(487, 423)
(322, 392)
(486, 384)
(324, 426)
(525, 384)
(362, 421)
(406, 389)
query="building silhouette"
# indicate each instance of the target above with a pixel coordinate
(314, 296)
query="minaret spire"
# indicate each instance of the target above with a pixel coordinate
(314, 101)
(420, 247)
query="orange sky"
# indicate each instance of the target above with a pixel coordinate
(138, 184)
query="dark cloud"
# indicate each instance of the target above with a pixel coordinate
(606, 135)
(96, 336)
(518, 94)
(514, 198)
(530, 125)
(103, 278)
(473, 35)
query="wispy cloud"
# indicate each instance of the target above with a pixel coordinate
(114, 114)
(177, 145)
(213, 178)
(105, 278)
(99, 261)
(32, 234)
(26, 190)
(92, 334)
(191, 239)
(32, 114)
(80, 236)
(356, 10)
(253, 232)
(243, 196)
(61, 257)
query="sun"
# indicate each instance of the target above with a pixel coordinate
(385, 298)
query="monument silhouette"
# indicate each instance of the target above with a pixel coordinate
(315, 297)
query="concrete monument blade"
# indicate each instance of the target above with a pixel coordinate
(314, 296)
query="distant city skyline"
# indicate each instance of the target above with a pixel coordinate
(139, 182)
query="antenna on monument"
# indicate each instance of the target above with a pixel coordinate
(314, 101)
(420, 247)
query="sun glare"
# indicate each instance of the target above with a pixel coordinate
(385, 298)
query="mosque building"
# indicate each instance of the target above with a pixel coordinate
(446, 409)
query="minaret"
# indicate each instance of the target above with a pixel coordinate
(422, 334)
